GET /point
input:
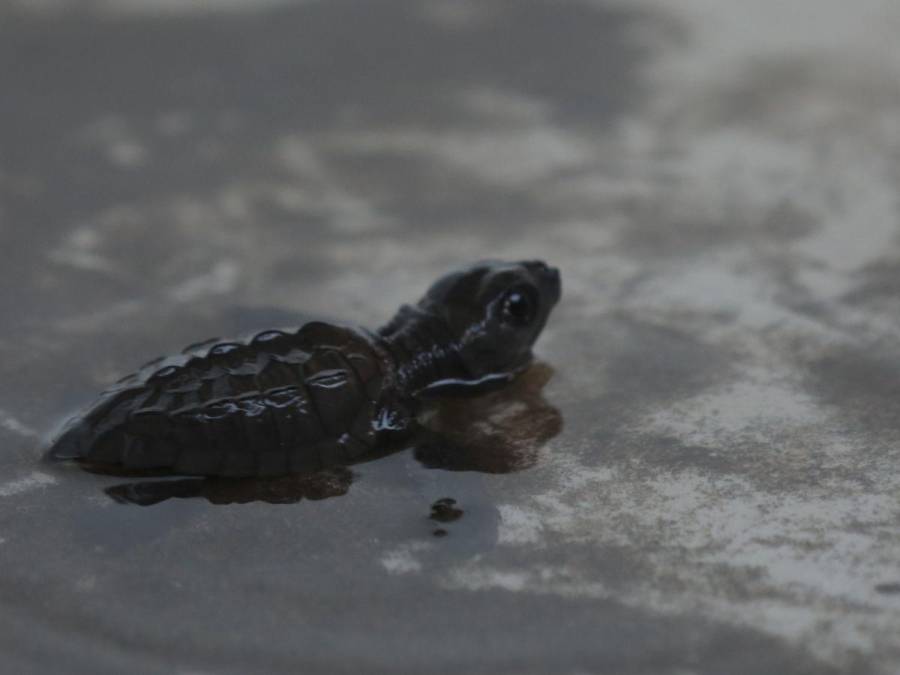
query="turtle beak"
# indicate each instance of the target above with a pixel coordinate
(553, 283)
(548, 278)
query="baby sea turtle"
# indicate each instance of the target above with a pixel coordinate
(321, 395)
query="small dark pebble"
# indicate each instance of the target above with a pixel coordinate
(445, 511)
(440, 533)
(889, 589)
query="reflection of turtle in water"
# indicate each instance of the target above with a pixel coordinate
(333, 482)
(496, 432)
(323, 395)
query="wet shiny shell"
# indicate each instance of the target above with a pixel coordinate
(281, 402)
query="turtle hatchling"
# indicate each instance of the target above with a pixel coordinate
(287, 401)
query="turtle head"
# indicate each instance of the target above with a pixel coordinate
(494, 312)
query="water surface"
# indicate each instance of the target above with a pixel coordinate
(703, 476)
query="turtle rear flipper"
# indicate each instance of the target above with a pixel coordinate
(74, 442)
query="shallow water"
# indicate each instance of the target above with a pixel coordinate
(701, 475)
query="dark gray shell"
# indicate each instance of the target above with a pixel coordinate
(281, 402)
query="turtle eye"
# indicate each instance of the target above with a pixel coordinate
(518, 307)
